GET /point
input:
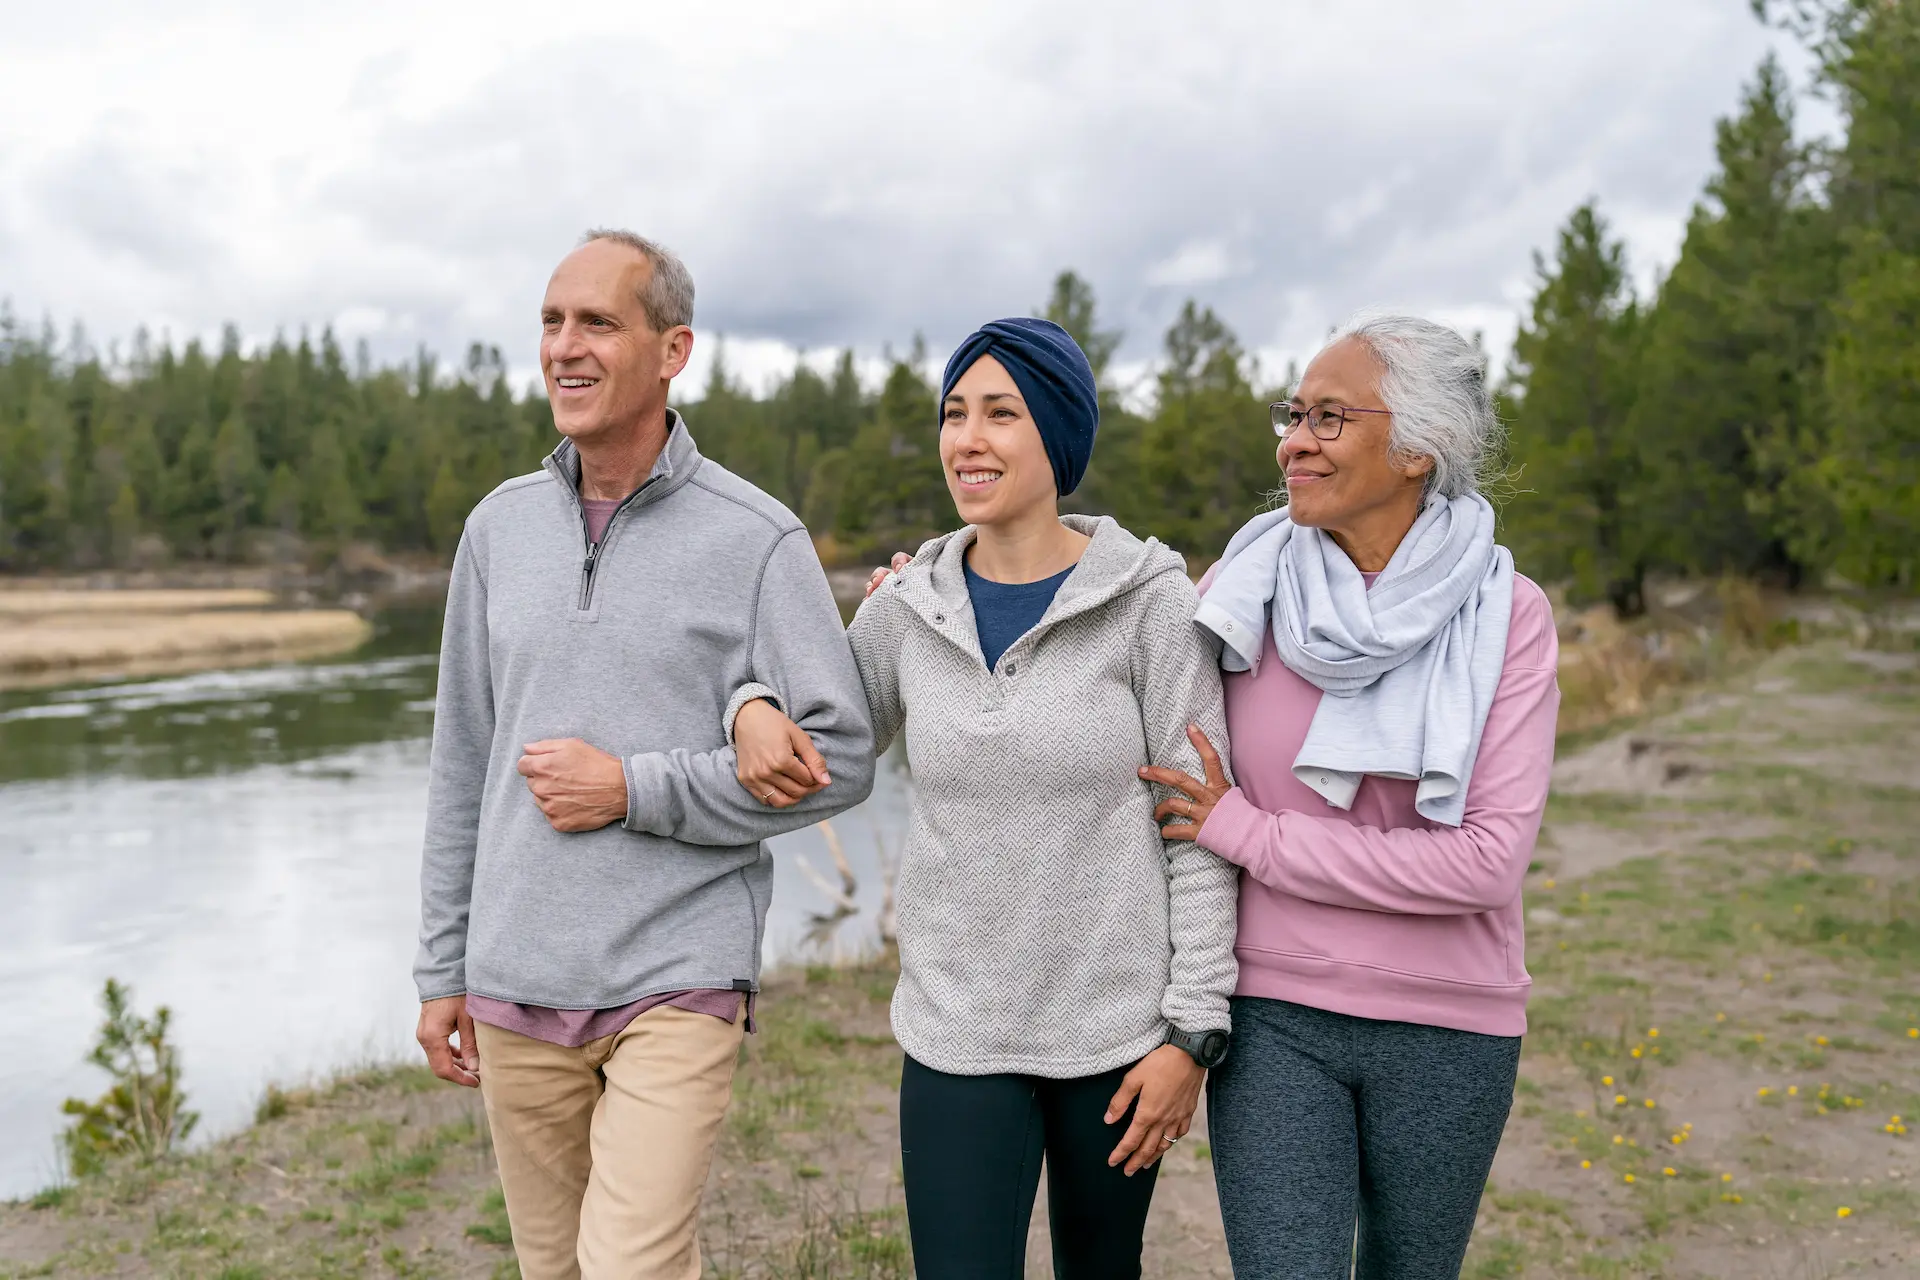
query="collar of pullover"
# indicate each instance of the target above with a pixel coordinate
(675, 466)
(934, 586)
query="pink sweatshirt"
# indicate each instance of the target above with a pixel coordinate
(1375, 911)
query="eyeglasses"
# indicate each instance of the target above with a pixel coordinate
(1323, 420)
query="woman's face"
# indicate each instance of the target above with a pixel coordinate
(995, 462)
(1337, 484)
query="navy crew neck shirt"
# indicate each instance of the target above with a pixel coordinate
(1005, 611)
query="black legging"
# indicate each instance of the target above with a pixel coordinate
(970, 1147)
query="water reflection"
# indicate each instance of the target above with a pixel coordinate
(219, 721)
(244, 846)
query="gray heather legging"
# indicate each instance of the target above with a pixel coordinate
(1319, 1118)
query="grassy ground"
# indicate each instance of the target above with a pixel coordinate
(1724, 930)
(1724, 1053)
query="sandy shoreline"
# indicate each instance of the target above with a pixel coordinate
(50, 636)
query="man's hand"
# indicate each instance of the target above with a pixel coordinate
(773, 757)
(577, 785)
(439, 1019)
(1164, 1088)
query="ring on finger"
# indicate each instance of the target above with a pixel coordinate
(768, 798)
(1168, 1139)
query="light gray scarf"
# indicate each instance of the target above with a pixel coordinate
(1410, 667)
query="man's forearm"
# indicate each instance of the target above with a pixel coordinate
(695, 797)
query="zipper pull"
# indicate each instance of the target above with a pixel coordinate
(593, 550)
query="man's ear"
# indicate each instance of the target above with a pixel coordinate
(679, 340)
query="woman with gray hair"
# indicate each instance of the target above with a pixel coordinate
(1390, 704)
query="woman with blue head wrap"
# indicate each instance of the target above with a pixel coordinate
(1064, 968)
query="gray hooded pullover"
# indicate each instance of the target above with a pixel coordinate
(701, 582)
(1046, 928)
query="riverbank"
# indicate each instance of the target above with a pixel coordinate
(52, 635)
(1724, 921)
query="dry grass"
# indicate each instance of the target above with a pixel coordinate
(21, 602)
(49, 636)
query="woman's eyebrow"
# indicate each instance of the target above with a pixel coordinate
(1000, 395)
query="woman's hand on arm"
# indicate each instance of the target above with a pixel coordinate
(1197, 798)
(774, 758)
(1164, 1089)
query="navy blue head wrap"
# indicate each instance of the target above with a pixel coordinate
(1055, 380)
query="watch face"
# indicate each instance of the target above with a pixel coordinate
(1213, 1048)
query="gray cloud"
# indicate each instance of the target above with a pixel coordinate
(861, 178)
(123, 206)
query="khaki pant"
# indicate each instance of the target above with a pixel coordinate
(604, 1149)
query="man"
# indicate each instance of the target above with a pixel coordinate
(593, 886)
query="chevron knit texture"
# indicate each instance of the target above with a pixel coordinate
(1045, 926)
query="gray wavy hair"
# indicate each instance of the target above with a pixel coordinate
(1435, 382)
(668, 296)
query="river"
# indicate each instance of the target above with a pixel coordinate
(243, 846)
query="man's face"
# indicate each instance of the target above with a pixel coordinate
(606, 368)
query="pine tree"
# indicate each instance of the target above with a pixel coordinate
(1870, 468)
(332, 514)
(1071, 306)
(1206, 457)
(447, 508)
(1579, 513)
(1731, 357)
(237, 475)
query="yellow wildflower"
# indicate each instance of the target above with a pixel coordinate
(1763, 1092)
(1606, 1079)
(1726, 1177)
(1619, 1099)
(1793, 1091)
(1617, 1139)
(1586, 1164)
(1636, 1051)
(1629, 1177)
(1822, 1041)
(1843, 1212)
(1668, 1171)
(1649, 1102)
(1653, 1033)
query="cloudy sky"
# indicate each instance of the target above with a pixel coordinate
(839, 173)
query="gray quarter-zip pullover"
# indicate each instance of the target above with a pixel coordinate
(699, 584)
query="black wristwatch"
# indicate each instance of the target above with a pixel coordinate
(1208, 1048)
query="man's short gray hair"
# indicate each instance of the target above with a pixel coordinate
(668, 297)
(1435, 382)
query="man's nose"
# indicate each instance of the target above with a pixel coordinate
(566, 343)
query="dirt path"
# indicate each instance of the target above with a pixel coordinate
(1724, 922)
(1724, 925)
